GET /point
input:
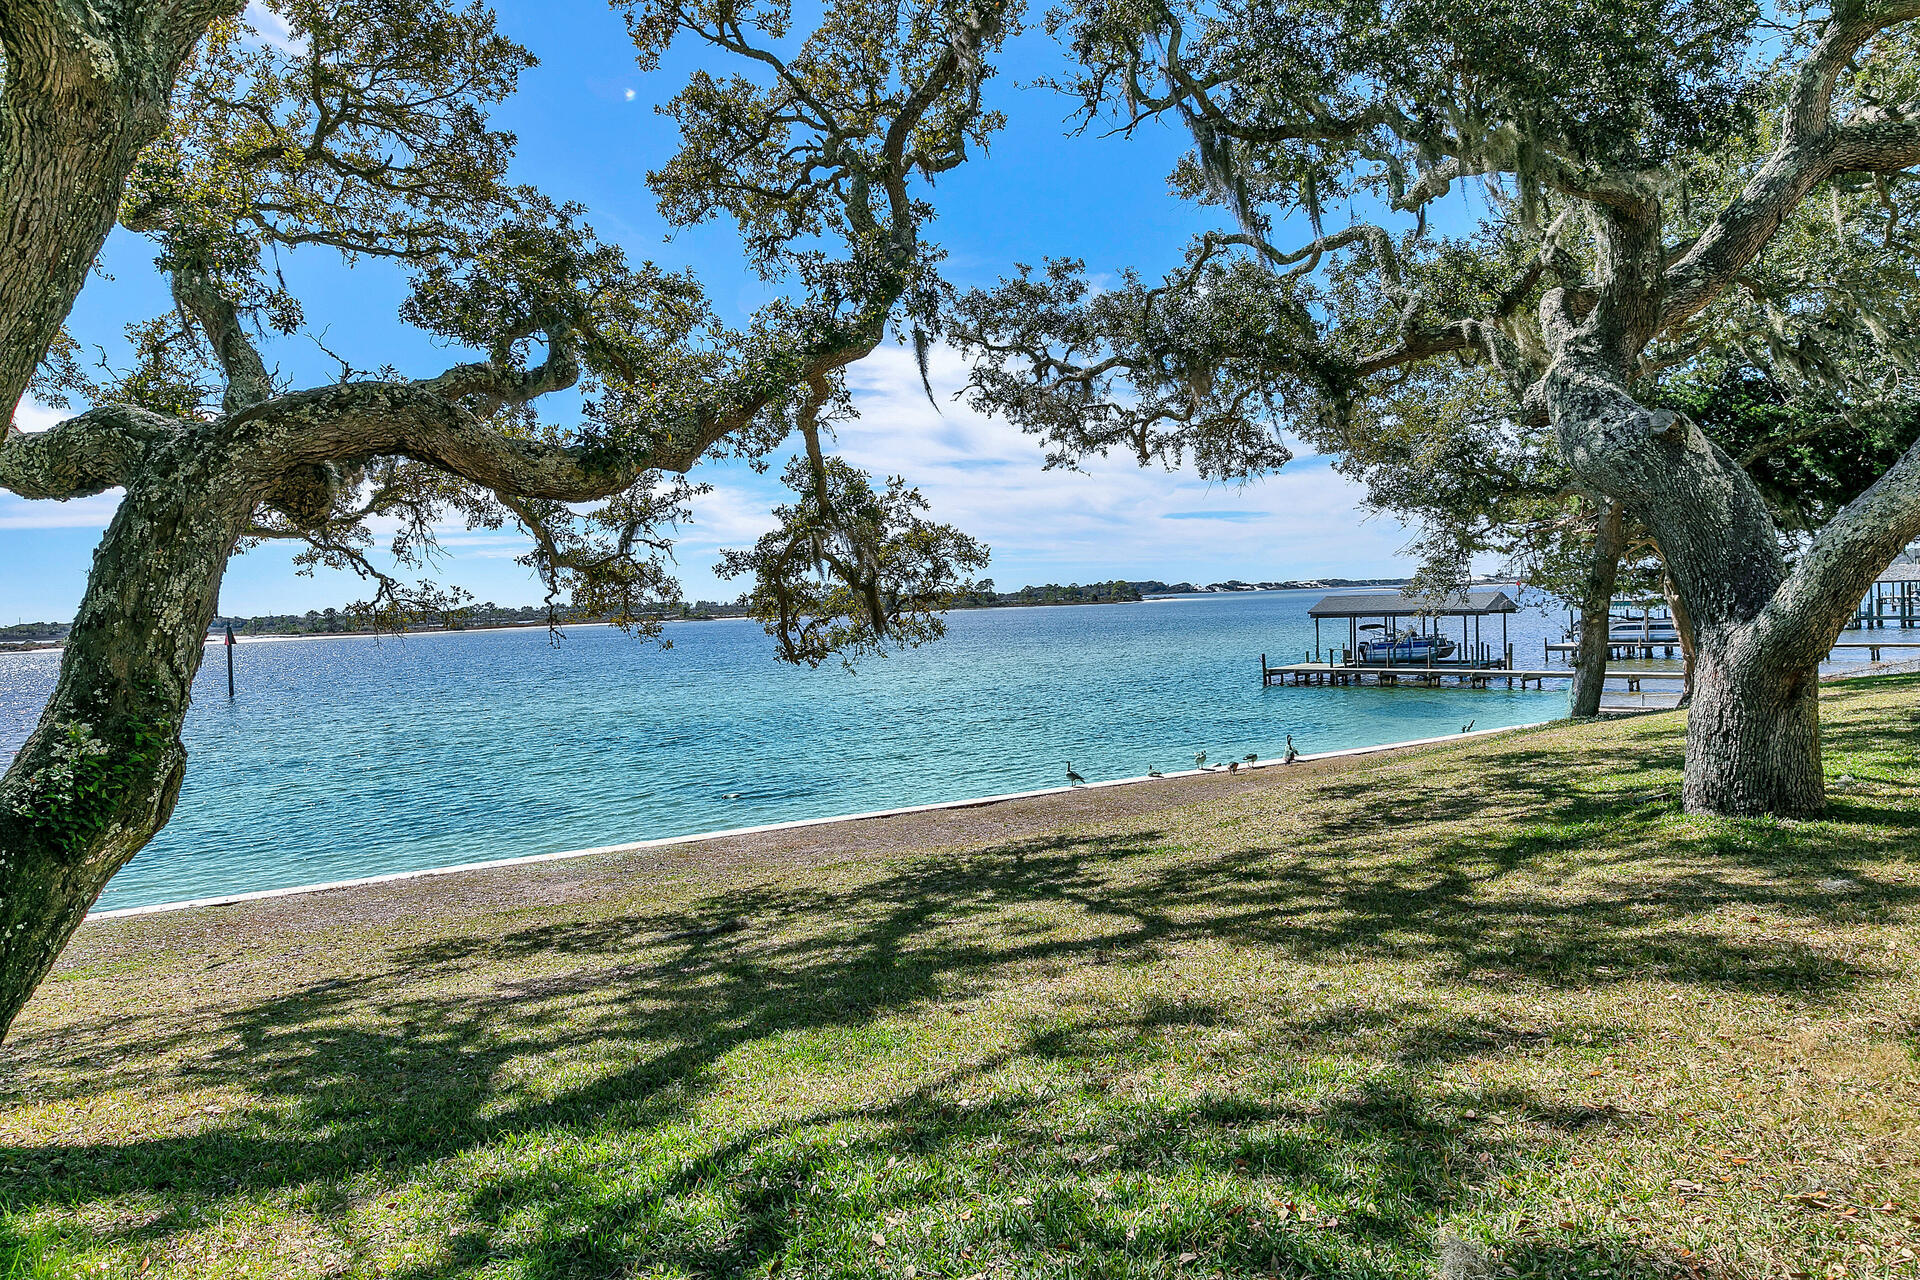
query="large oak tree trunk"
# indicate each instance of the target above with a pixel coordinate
(1753, 737)
(100, 774)
(84, 89)
(1596, 613)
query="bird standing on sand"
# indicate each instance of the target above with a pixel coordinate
(1073, 778)
(1250, 757)
(1233, 766)
(1292, 755)
(1199, 759)
(1153, 773)
(1468, 725)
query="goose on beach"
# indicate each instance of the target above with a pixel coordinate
(1072, 777)
(1468, 726)
(1153, 773)
(1292, 755)
(1199, 759)
(1250, 757)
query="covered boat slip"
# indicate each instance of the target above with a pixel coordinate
(1480, 662)
(1427, 618)
(1381, 650)
(1423, 651)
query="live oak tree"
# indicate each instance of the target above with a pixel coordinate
(1642, 162)
(365, 133)
(1446, 453)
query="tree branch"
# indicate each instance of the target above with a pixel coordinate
(84, 455)
(1812, 149)
(1808, 611)
(496, 388)
(248, 382)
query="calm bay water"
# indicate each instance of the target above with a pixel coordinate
(351, 757)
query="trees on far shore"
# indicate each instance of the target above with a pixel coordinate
(1658, 183)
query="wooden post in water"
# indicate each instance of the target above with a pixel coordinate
(1263, 671)
(229, 659)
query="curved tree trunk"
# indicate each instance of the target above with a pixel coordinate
(1753, 734)
(85, 89)
(100, 774)
(1753, 730)
(1596, 613)
(1753, 737)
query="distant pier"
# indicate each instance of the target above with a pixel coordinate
(1404, 641)
(1437, 674)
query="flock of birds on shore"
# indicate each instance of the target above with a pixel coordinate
(1200, 764)
(1233, 766)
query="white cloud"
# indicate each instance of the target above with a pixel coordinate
(80, 513)
(729, 516)
(31, 415)
(1112, 517)
(271, 29)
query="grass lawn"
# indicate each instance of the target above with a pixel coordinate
(1489, 1009)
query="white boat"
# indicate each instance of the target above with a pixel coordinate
(1642, 630)
(1406, 647)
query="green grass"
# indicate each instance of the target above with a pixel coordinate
(1501, 1002)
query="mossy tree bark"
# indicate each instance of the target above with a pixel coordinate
(100, 773)
(99, 776)
(85, 88)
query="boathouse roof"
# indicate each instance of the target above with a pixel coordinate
(1901, 573)
(1383, 604)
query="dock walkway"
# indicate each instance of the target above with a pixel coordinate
(1476, 677)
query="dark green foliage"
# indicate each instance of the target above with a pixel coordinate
(983, 596)
(850, 567)
(69, 803)
(368, 134)
(1810, 456)
(1207, 370)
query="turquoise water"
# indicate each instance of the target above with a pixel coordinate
(352, 757)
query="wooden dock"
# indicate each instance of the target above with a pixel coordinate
(1617, 648)
(1636, 648)
(1874, 647)
(1474, 677)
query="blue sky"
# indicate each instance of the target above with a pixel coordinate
(1038, 192)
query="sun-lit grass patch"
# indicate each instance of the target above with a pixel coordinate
(1500, 1003)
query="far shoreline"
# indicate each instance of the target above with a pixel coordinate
(219, 638)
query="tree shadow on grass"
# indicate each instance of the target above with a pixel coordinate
(560, 1074)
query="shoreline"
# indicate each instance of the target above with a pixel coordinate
(665, 842)
(213, 639)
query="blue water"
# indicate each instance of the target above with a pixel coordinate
(353, 756)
